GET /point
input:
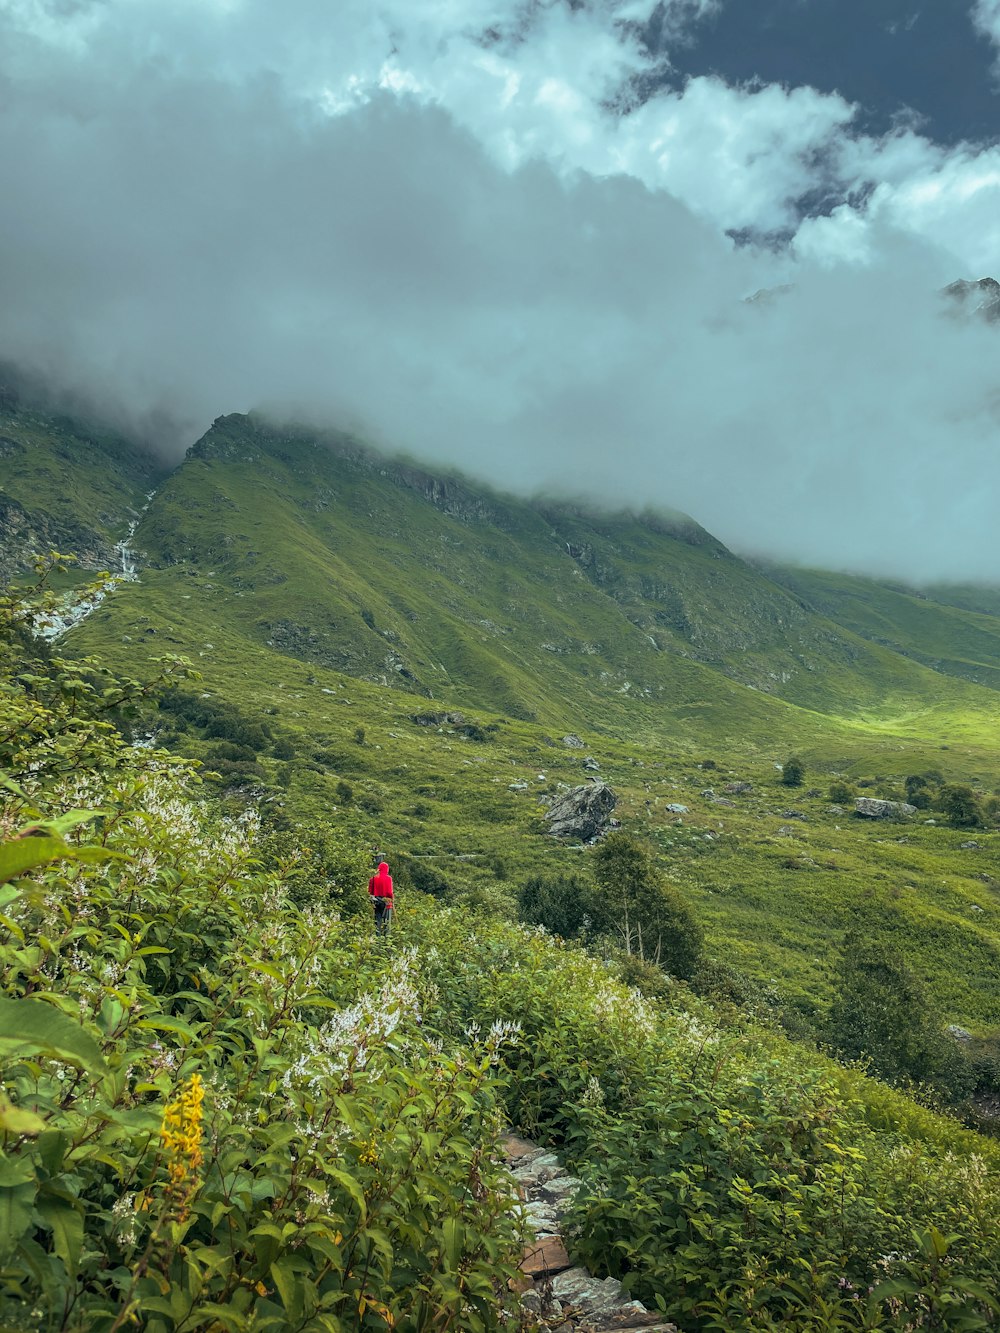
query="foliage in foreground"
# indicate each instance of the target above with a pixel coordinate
(218, 1110)
(731, 1178)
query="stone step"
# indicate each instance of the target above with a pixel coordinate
(564, 1295)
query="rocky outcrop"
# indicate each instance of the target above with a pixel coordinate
(981, 297)
(561, 1295)
(583, 812)
(24, 535)
(869, 807)
(438, 719)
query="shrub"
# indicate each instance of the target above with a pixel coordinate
(882, 1012)
(563, 904)
(793, 771)
(731, 1180)
(228, 750)
(841, 793)
(960, 805)
(638, 910)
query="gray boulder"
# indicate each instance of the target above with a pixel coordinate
(868, 807)
(583, 812)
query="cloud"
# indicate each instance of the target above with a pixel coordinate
(449, 234)
(986, 16)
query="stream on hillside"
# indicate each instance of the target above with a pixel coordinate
(74, 610)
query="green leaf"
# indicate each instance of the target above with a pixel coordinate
(26, 853)
(32, 1027)
(167, 1023)
(17, 1195)
(289, 1286)
(23, 854)
(72, 819)
(65, 1221)
(14, 1120)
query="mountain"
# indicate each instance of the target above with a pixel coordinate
(401, 652)
(382, 570)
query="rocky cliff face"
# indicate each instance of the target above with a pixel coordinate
(24, 534)
(981, 298)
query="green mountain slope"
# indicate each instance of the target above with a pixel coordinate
(379, 570)
(342, 606)
(65, 484)
(940, 627)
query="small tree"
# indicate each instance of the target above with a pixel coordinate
(841, 793)
(793, 771)
(882, 1010)
(651, 920)
(961, 806)
(563, 904)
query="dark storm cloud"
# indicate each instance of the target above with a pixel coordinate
(182, 243)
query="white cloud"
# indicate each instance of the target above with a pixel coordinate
(986, 16)
(432, 223)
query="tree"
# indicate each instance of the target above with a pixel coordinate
(650, 919)
(961, 806)
(793, 770)
(563, 904)
(881, 1010)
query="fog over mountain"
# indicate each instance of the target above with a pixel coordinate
(472, 239)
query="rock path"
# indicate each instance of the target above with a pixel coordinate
(561, 1296)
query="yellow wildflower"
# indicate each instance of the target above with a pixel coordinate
(181, 1135)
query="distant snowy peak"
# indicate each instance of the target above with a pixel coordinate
(981, 297)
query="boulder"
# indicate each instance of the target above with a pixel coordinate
(583, 812)
(430, 719)
(574, 742)
(543, 1257)
(676, 808)
(737, 788)
(869, 807)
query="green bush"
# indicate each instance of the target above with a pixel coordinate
(960, 805)
(729, 1179)
(793, 771)
(841, 793)
(883, 1013)
(638, 910)
(563, 904)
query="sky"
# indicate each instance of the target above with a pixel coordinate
(519, 237)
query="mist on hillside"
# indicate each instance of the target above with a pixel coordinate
(182, 245)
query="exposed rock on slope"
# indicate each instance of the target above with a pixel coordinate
(870, 808)
(584, 812)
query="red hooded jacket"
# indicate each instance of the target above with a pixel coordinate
(380, 885)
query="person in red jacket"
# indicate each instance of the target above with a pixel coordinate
(380, 892)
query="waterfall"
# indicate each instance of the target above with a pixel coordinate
(75, 610)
